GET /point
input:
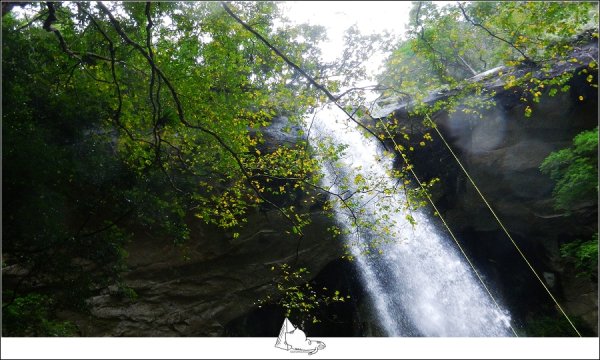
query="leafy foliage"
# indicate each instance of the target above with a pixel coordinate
(300, 299)
(126, 119)
(584, 254)
(575, 171)
(29, 316)
(446, 45)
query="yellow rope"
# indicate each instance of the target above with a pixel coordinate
(502, 225)
(446, 225)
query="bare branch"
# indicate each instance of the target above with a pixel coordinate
(368, 87)
(465, 63)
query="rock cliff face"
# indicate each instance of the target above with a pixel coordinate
(197, 289)
(502, 152)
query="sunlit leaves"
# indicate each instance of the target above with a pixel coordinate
(443, 47)
(227, 82)
(297, 295)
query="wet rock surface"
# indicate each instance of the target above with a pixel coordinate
(502, 152)
(197, 289)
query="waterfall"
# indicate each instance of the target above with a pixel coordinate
(419, 283)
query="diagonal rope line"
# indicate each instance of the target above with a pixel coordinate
(446, 225)
(434, 125)
(350, 116)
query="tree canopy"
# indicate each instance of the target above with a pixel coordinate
(119, 117)
(446, 45)
(122, 118)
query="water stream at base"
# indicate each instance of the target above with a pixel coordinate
(419, 283)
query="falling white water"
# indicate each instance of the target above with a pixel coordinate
(419, 283)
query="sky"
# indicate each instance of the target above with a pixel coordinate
(337, 16)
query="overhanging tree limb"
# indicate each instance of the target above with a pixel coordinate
(310, 79)
(146, 50)
(180, 112)
(30, 22)
(113, 60)
(49, 26)
(329, 95)
(528, 60)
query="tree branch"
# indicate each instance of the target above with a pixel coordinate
(465, 63)
(39, 16)
(319, 188)
(528, 60)
(112, 50)
(368, 87)
(49, 26)
(437, 63)
(310, 79)
(180, 112)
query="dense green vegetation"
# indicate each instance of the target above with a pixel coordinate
(123, 119)
(30, 316)
(447, 44)
(134, 126)
(575, 170)
(584, 254)
(127, 119)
